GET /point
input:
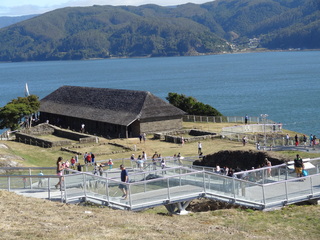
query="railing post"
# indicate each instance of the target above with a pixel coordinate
(286, 187)
(311, 188)
(168, 185)
(30, 179)
(9, 182)
(107, 190)
(49, 192)
(65, 188)
(130, 200)
(264, 196)
(85, 186)
(204, 182)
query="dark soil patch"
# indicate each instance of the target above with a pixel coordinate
(239, 159)
(205, 205)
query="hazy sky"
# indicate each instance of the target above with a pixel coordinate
(26, 7)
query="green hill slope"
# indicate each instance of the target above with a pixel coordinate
(151, 30)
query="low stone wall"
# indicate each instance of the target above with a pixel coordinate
(33, 136)
(196, 136)
(32, 140)
(125, 149)
(82, 138)
(41, 129)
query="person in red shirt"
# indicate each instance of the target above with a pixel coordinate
(89, 158)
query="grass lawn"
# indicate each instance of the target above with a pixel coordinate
(29, 218)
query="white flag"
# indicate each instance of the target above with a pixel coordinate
(26, 91)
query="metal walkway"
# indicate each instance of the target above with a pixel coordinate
(173, 187)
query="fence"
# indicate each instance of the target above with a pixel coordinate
(226, 119)
(255, 188)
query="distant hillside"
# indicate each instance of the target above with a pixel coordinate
(7, 21)
(151, 30)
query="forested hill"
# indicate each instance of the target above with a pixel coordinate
(151, 30)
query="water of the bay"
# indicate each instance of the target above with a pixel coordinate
(283, 85)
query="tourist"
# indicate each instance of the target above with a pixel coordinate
(144, 136)
(79, 167)
(132, 157)
(226, 170)
(244, 140)
(92, 158)
(96, 169)
(59, 171)
(73, 162)
(101, 169)
(110, 164)
(258, 146)
(218, 170)
(140, 137)
(67, 165)
(40, 179)
(124, 178)
(311, 139)
(199, 147)
(314, 138)
(140, 162)
(287, 139)
(304, 141)
(179, 159)
(296, 140)
(246, 119)
(89, 159)
(298, 165)
(182, 141)
(154, 160)
(163, 165)
(268, 164)
(85, 157)
(144, 156)
(82, 127)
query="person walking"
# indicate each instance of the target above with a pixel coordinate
(298, 165)
(287, 139)
(304, 141)
(125, 179)
(59, 171)
(110, 164)
(199, 147)
(40, 179)
(296, 139)
(244, 140)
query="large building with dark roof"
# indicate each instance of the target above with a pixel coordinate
(109, 112)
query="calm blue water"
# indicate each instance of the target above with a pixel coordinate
(285, 85)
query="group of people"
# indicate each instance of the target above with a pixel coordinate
(142, 137)
(298, 140)
(231, 172)
(89, 158)
(141, 160)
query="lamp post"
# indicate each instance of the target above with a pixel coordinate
(264, 118)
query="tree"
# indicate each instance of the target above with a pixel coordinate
(12, 114)
(191, 105)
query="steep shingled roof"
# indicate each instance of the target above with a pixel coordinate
(115, 106)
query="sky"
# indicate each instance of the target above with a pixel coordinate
(27, 7)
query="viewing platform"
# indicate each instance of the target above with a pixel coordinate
(174, 186)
